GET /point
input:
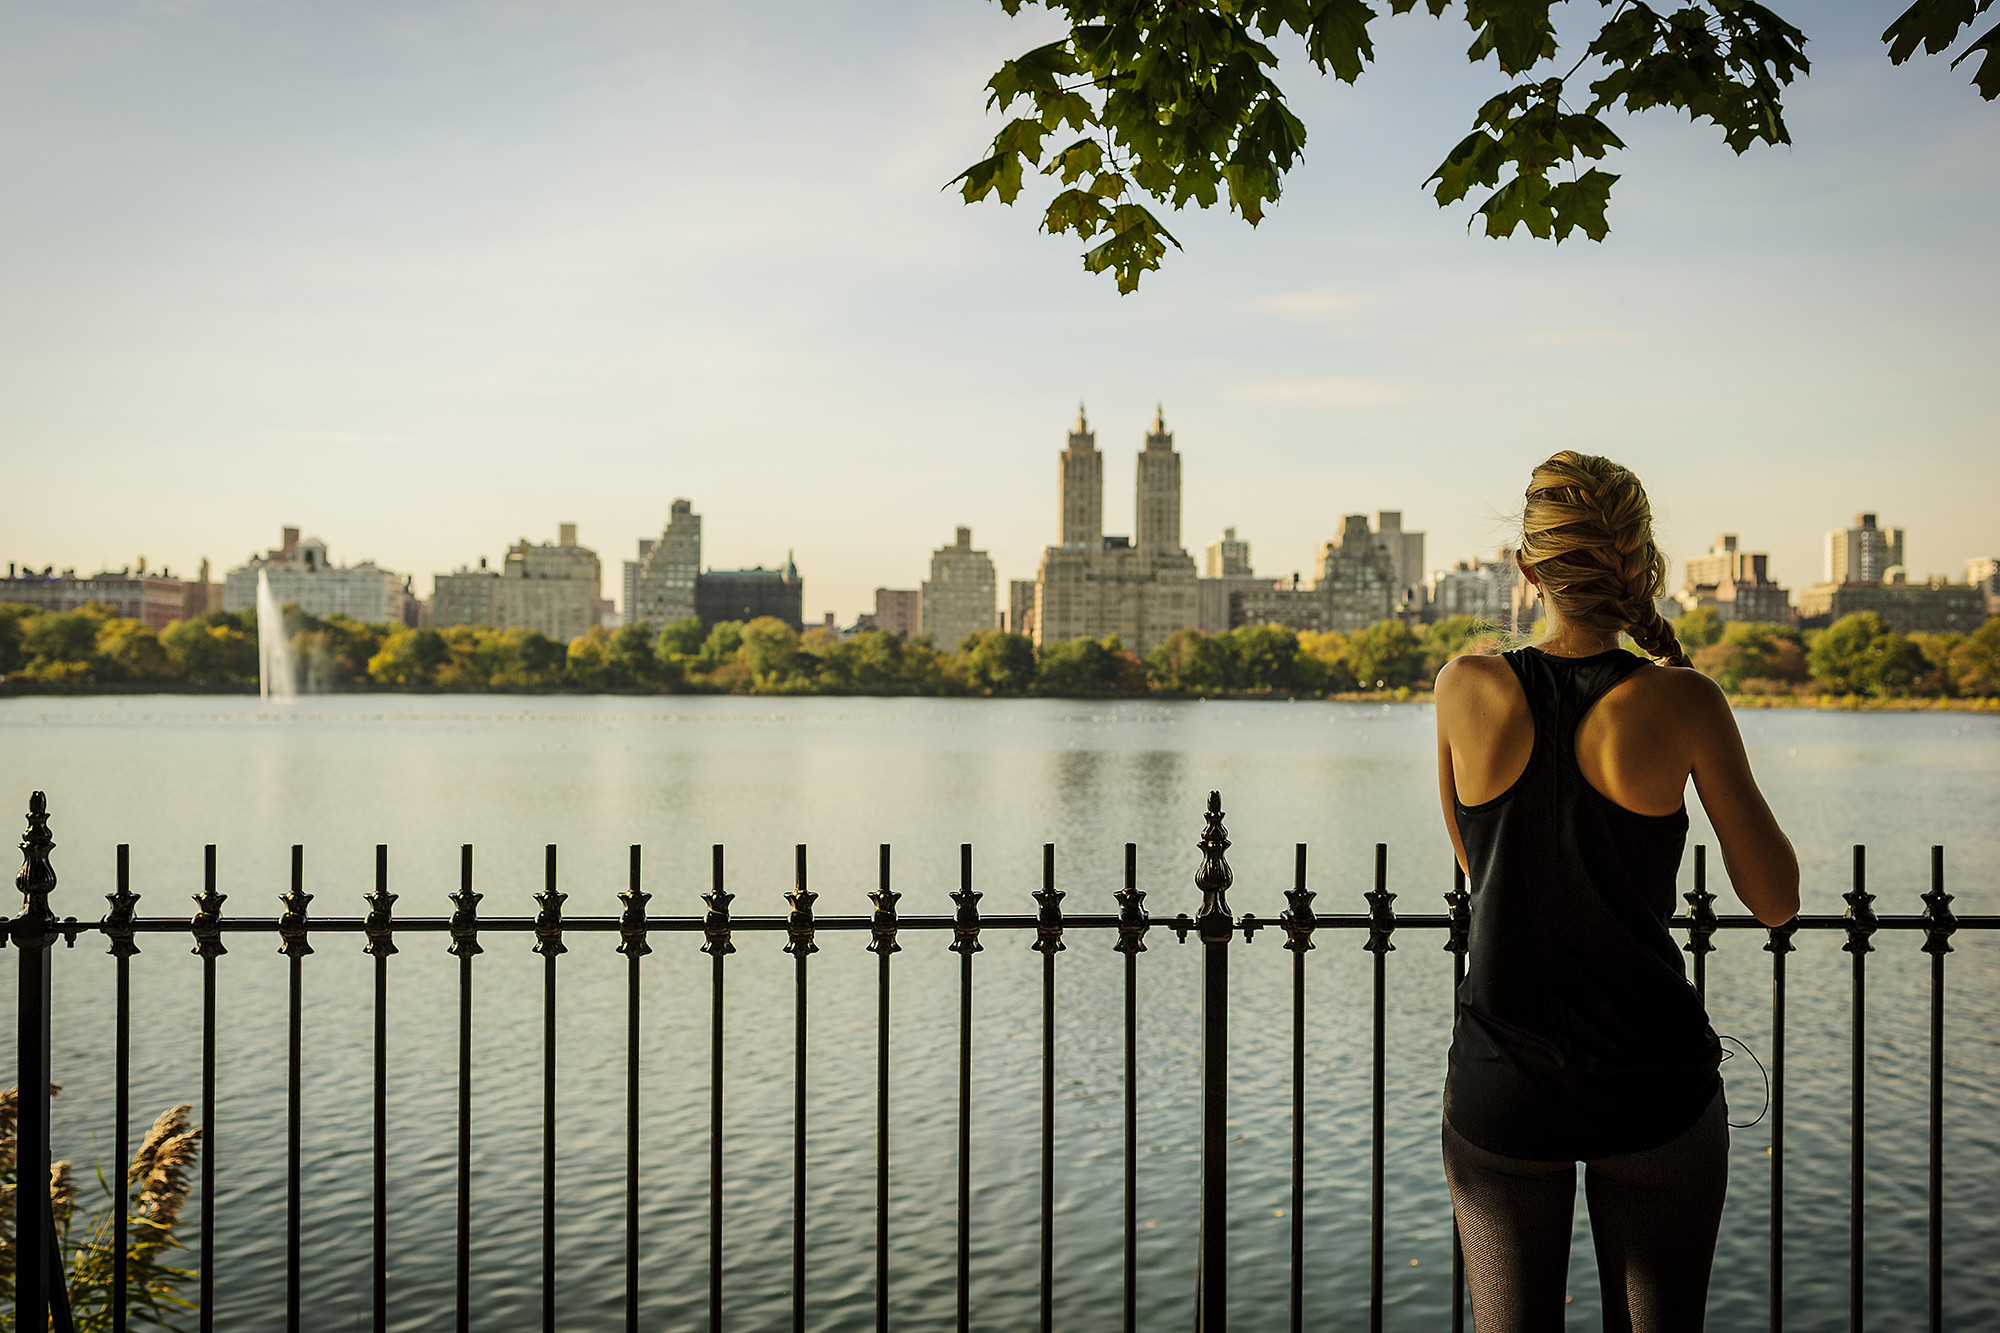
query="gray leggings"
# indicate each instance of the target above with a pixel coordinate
(1653, 1217)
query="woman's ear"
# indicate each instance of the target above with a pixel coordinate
(1527, 570)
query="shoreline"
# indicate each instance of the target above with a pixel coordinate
(1820, 703)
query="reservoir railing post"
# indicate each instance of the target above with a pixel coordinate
(207, 930)
(965, 943)
(118, 929)
(1132, 923)
(799, 944)
(1860, 925)
(1701, 920)
(1778, 945)
(1939, 923)
(1381, 924)
(882, 942)
(1299, 922)
(549, 944)
(464, 946)
(632, 943)
(1215, 925)
(41, 1294)
(380, 930)
(1458, 937)
(292, 931)
(1048, 943)
(715, 929)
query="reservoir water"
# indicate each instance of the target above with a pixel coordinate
(594, 775)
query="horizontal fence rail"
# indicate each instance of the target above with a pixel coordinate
(40, 1289)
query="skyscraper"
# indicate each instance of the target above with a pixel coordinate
(1863, 553)
(958, 597)
(664, 588)
(1091, 585)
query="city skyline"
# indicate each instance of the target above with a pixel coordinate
(489, 294)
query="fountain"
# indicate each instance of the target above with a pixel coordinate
(276, 678)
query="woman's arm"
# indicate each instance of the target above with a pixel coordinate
(1757, 855)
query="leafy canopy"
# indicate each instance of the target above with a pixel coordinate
(1168, 103)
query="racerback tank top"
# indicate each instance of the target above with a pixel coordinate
(1578, 1035)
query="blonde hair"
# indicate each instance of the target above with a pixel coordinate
(1587, 529)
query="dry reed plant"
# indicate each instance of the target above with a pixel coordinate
(156, 1185)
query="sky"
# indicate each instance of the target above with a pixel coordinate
(426, 278)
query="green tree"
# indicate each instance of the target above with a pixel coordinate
(1974, 665)
(1454, 636)
(216, 649)
(1171, 103)
(1263, 657)
(1323, 663)
(1386, 655)
(1748, 651)
(130, 651)
(1859, 654)
(1190, 662)
(62, 643)
(1000, 662)
(720, 646)
(771, 647)
(1088, 667)
(409, 657)
(11, 617)
(1698, 629)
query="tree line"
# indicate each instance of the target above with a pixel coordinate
(94, 648)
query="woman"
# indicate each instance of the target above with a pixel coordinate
(1562, 768)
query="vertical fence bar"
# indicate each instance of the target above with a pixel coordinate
(1048, 943)
(549, 944)
(717, 945)
(799, 932)
(882, 943)
(1860, 925)
(632, 943)
(380, 929)
(37, 1265)
(465, 946)
(1458, 937)
(965, 943)
(1939, 923)
(1701, 920)
(292, 931)
(1299, 922)
(1779, 944)
(1215, 926)
(207, 931)
(1381, 922)
(1132, 924)
(118, 930)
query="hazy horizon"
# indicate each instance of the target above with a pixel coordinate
(424, 280)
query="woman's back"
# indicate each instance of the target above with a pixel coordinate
(1578, 1035)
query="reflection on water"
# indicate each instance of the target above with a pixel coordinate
(676, 775)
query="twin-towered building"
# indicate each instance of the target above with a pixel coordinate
(1140, 588)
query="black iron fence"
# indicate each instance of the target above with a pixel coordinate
(40, 1287)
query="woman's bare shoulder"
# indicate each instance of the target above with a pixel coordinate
(1682, 694)
(1477, 680)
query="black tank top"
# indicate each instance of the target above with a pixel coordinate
(1578, 1035)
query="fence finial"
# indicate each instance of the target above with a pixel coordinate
(1131, 900)
(292, 924)
(799, 923)
(1048, 913)
(715, 924)
(1213, 877)
(1939, 922)
(380, 925)
(118, 928)
(882, 926)
(632, 921)
(37, 877)
(965, 913)
(1861, 922)
(465, 909)
(548, 917)
(1381, 915)
(207, 924)
(1298, 918)
(1458, 907)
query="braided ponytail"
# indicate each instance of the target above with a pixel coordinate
(1587, 528)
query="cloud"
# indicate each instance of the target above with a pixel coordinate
(1325, 390)
(1533, 338)
(1310, 304)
